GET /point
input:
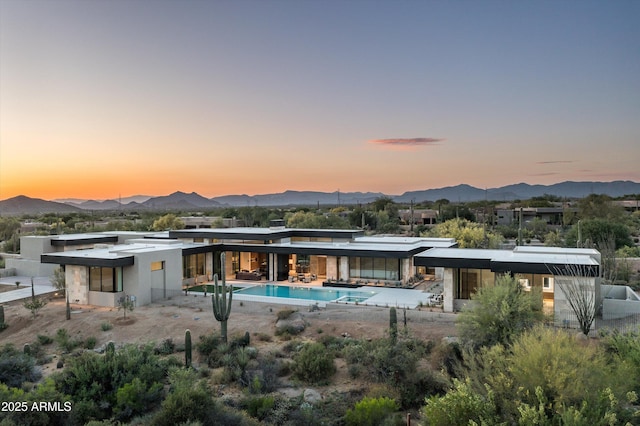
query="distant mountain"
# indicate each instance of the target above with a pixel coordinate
(180, 200)
(460, 193)
(124, 201)
(25, 205)
(307, 198)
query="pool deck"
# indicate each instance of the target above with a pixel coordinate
(398, 297)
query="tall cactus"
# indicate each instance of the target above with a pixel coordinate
(1, 314)
(68, 307)
(221, 304)
(393, 324)
(187, 348)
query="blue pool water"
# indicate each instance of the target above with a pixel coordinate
(317, 294)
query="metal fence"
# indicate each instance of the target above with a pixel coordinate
(625, 324)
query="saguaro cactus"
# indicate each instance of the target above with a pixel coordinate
(187, 348)
(1, 314)
(393, 324)
(219, 300)
(68, 307)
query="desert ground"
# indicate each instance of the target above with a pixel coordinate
(170, 318)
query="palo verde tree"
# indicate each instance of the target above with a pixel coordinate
(578, 284)
(500, 313)
(35, 303)
(219, 300)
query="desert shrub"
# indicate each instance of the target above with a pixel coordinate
(16, 367)
(287, 331)
(263, 337)
(166, 347)
(285, 313)
(446, 355)
(259, 406)
(332, 342)
(371, 411)
(106, 326)
(264, 379)
(135, 397)
(66, 342)
(314, 364)
(459, 406)
(44, 339)
(190, 402)
(500, 313)
(212, 350)
(95, 379)
(90, 343)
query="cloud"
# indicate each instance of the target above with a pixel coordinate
(406, 143)
(555, 162)
(544, 174)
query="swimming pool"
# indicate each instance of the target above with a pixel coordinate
(307, 293)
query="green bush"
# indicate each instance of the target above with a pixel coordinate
(16, 367)
(259, 406)
(135, 398)
(500, 313)
(90, 343)
(371, 411)
(167, 347)
(285, 313)
(65, 342)
(95, 379)
(459, 406)
(106, 326)
(45, 340)
(314, 364)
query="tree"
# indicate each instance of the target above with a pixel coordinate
(35, 303)
(58, 279)
(126, 303)
(221, 305)
(599, 206)
(500, 313)
(592, 231)
(167, 222)
(467, 234)
(578, 285)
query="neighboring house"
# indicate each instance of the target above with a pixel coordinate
(550, 215)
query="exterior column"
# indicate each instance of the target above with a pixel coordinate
(407, 269)
(344, 268)
(332, 267)
(447, 303)
(272, 273)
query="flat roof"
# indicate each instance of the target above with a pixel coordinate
(81, 239)
(263, 233)
(536, 261)
(112, 256)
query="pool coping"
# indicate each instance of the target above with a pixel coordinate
(384, 297)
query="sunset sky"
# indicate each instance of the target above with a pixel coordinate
(100, 99)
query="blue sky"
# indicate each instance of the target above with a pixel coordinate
(102, 98)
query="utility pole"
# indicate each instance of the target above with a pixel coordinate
(411, 217)
(520, 228)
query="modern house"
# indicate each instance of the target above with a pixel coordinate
(102, 267)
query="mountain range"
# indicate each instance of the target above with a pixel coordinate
(193, 201)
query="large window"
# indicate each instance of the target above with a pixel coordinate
(105, 279)
(193, 265)
(470, 280)
(377, 268)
